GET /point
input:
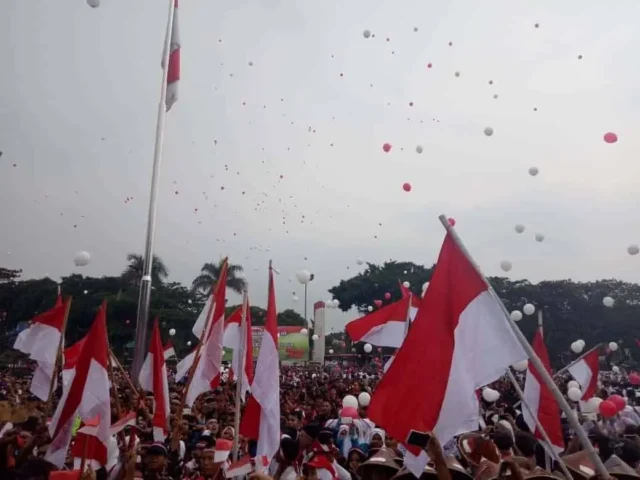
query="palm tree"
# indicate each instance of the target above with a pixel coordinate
(210, 273)
(133, 273)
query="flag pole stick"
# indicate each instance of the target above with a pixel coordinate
(144, 299)
(564, 369)
(122, 371)
(58, 363)
(539, 426)
(546, 378)
(240, 375)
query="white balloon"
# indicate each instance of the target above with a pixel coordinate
(516, 315)
(573, 384)
(350, 401)
(613, 346)
(328, 304)
(303, 276)
(528, 309)
(419, 149)
(592, 405)
(581, 342)
(574, 394)
(86, 291)
(521, 366)
(370, 308)
(633, 249)
(314, 337)
(506, 265)
(335, 303)
(93, 3)
(172, 332)
(81, 258)
(608, 302)
(295, 298)
(406, 284)
(488, 131)
(330, 351)
(490, 395)
(533, 171)
(539, 237)
(576, 347)
(304, 331)
(359, 261)
(368, 348)
(189, 343)
(457, 74)
(519, 228)
(364, 399)
(615, 369)
(366, 34)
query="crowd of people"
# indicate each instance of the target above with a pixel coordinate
(320, 438)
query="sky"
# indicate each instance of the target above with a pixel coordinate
(274, 149)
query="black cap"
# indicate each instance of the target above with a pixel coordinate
(157, 449)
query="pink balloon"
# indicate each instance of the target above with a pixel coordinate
(618, 401)
(386, 147)
(634, 379)
(378, 303)
(349, 412)
(610, 137)
(452, 222)
(608, 409)
(406, 187)
(387, 296)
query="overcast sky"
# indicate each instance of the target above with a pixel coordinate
(277, 137)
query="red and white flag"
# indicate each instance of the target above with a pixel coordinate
(184, 365)
(247, 465)
(41, 342)
(385, 327)
(201, 321)
(541, 401)
(206, 375)
(261, 419)
(173, 74)
(586, 371)
(169, 351)
(153, 378)
(71, 357)
(87, 396)
(459, 341)
(232, 339)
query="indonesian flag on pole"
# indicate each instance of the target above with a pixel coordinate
(173, 74)
(71, 357)
(261, 419)
(153, 378)
(169, 351)
(459, 341)
(207, 372)
(41, 342)
(386, 326)
(201, 321)
(585, 371)
(541, 401)
(232, 339)
(87, 396)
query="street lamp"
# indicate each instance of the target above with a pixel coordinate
(304, 277)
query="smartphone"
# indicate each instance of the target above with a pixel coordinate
(418, 439)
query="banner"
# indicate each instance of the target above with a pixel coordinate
(293, 346)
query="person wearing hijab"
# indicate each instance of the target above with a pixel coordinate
(287, 456)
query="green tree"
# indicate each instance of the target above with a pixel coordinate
(209, 274)
(286, 318)
(376, 281)
(133, 273)
(9, 275)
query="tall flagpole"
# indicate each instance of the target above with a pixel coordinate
(533, 357)
(144, 299)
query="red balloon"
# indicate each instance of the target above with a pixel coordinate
(378, 303)
(349, 412)
(429, 65)
(386, 147)
(608, 409)
(618, 401)
(634, 379)
(610, 137)
(406, 187)
(452, 222)
(387, 296)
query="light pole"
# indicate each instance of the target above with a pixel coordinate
(304, 277)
